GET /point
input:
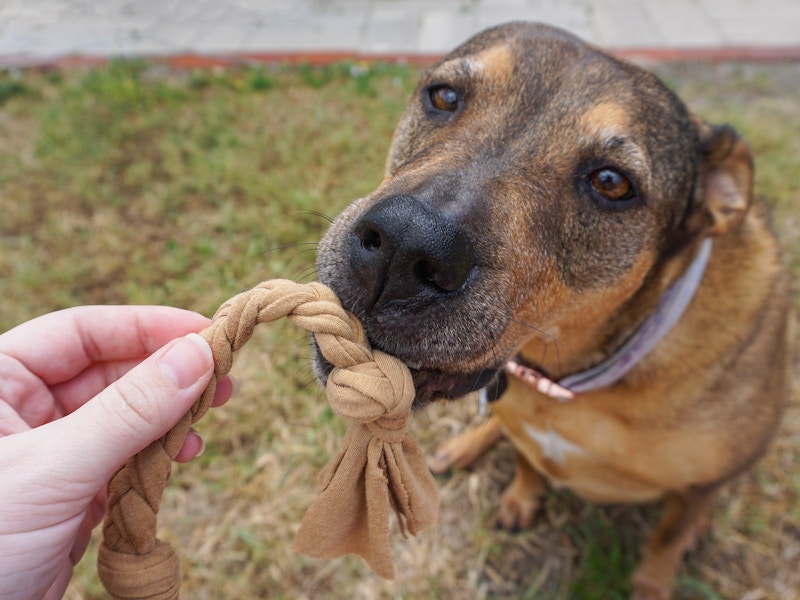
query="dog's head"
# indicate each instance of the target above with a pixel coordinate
(533, 186)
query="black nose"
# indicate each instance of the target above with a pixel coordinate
(401, 247)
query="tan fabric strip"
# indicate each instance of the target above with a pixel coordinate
(378, 469)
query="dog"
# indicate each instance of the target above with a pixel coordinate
(557, 228)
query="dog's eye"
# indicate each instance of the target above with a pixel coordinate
(444, 98)
(611, 184)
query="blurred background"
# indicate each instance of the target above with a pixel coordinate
(44, 29)
(179, 152)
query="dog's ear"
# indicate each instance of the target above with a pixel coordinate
(725, 185)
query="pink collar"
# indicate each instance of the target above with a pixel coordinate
(670, 309)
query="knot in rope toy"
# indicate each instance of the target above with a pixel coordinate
(378, 468)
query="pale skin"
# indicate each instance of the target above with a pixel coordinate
(82, 390)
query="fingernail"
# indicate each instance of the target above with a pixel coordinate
(202, 444)
(186, 361)
(234, 386)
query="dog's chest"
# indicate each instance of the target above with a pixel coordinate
(571, 447)
(552, 446)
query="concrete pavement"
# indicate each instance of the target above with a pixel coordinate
(41, 31)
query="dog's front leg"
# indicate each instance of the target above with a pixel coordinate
(685, 519)
(464, 449)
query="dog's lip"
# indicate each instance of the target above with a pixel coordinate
(435, 384)
(432, 383)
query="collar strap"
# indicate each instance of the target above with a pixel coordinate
(670, 309)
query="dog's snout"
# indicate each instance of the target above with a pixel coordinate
(401, 247)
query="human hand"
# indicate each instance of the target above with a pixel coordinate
(82, 390)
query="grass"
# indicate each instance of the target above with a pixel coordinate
(608, 555)
(134, 184)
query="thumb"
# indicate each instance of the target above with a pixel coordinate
(141, 406)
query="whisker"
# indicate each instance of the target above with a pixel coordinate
(558, 357)
(474, 387)
(307, 383)
(320, 395)
(304, 211)
(306, 274)
(278, 249)
(306, 368)
(549, 336)
(303, 254)
(490, 408)
(304, 251)
(486, 365)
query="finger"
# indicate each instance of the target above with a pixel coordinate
(73, 393)
(57, 346)
(25, 393)
(10, 421)
(133, 411)
(59, 585)
(99, 376)
(193, 446)
(227, 388)
(82, 537)
(93, 515)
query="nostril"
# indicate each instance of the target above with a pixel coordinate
(448, 277)
(370, 239)
(426, 273)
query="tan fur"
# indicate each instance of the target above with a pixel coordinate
(497, 61)
(605, 119)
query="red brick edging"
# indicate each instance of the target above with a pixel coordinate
(204, 61)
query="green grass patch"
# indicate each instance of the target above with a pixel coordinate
(608, 555)
(145, 186)
(10, 86)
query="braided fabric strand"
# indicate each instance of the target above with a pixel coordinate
(378, 469)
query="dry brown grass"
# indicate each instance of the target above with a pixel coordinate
(181, 204)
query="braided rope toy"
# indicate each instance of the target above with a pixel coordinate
(377, 469)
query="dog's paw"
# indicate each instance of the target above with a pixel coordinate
(454, 452)
(651, 583)
(699, 534)
(646, 591)
(518, 509)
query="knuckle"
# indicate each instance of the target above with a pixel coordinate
(135, 404)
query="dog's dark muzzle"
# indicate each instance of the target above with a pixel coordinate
(401, 249)
(410, 272)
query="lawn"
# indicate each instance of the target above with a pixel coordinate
(132, 183)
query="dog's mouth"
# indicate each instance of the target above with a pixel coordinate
(432, 385)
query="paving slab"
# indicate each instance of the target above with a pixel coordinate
(441, 30)
(391, 29)
(685, 23)
(625, 24)
(42, 30)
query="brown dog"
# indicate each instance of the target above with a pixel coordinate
(547, 203)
